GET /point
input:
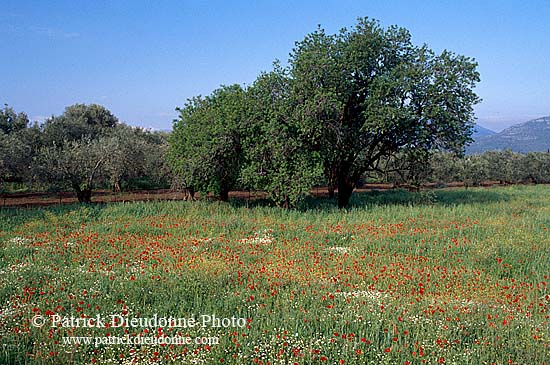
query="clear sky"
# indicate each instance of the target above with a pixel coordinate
(142, 59)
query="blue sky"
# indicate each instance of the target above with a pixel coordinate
(142, 59)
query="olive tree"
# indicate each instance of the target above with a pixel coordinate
(135, 154)
(79, 121)
(4, 156)
(19, 143)
(75, 164)
(87, 147)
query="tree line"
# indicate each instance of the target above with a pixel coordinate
(84, 148)
(504, 167)
(364, 104)
(361, 102)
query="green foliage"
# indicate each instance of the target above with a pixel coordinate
(78, 121)
(12, 122)
(18, 145)
(277, 155)
(357, 102)
(73, 164)
(76, 148)
(86, 147)
(501, 166)
(368, 95)
(205, 145)
(4, 169)
(133, 155)
(83, 148)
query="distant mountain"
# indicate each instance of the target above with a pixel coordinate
(530, 136)
(480, 131)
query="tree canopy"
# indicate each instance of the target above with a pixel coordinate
(278, 158)
(10, 121)
(78, 121)
(361, 101)
(368, 95)
(206, 149)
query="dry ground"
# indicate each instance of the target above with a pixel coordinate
(106, 196)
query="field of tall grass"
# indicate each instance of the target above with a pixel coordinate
(439, 277)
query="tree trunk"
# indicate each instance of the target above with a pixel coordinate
(84, 195)
(332, 180)
(331, 189)
(286, 202)
(224, 195)
(345, 189)
(188, 194)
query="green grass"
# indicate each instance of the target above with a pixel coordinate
(446, 276)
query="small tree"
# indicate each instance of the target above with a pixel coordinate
(75, 164)
(135, 154)
(205, 145)
(408, 167)
(278, 159)
(155, 163)
(446, 167)
(475, 170)
(503, 166)
(126, 155)
(76, 149)
(19, 143)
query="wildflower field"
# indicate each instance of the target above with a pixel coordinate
(444, 277)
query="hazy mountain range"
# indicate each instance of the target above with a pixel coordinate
(530, 136)
(480, 131)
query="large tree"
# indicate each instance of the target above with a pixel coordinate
(367, 95)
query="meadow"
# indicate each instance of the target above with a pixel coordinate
(439, 277)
